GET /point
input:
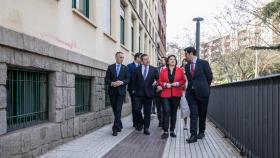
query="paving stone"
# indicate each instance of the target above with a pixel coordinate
(95, 144)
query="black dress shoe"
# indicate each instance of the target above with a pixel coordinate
(146, 132)
(200, 136)
(160, 124)
(115, 133)
(139, 127)
(192, 139)
(119, 130)
(172, 134)
(164, 135)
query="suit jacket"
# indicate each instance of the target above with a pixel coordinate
(111, 76)
(173, 91)
(143, 87)
(202, 78)
(131, 68)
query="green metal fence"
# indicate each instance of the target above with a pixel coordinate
(82, 93)
(27, 102)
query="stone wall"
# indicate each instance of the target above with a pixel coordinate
(25, 52)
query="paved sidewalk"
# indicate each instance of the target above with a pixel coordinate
(93, 145)
(133, 144)
(138, 145)
(214, 145)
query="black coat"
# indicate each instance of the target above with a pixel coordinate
(202, 78)
(143, 87)
(111, 76)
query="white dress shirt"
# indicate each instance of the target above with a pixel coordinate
(194, 62)
(136, 64)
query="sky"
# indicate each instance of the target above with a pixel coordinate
(180, 14)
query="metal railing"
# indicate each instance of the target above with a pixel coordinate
(247, 112)
(27, 102)
(82, 94)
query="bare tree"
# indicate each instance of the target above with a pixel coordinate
(267, 13)
(238, 62)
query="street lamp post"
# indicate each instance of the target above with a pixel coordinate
(257, 59)
(197, 37)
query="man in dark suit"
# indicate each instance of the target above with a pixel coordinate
(199, 76)
(143, 82)
(131, 68)
(117, 77)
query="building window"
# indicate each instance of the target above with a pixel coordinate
(145, 43)
(107, 16)
(82, 94)
(139, 42)
(82, 6)
(153, 34)
(132, 39)
(155, 11)
(107, 96)
(150, 24)
(134, 3)
(146, 19)
(141, 9)
(27, 98)
(122, 27)
(132, 35)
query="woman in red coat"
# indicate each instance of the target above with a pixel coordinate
(172, 79)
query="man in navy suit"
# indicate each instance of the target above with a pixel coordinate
(131, 68)
(117, 77)
(143, 83)
(199, 76)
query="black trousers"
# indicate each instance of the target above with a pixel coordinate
(117, 103)
(198, 107)
(170, 107)
(154, 105)
(133, 107)
(159, 104)
(146, 103)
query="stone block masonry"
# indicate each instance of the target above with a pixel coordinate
(21, 51)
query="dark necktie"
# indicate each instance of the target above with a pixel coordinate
(192, 69)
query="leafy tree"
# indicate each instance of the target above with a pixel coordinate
(271, 11)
